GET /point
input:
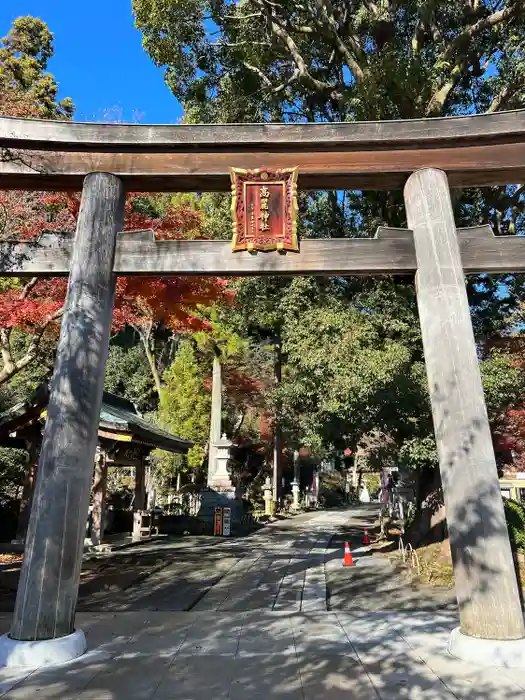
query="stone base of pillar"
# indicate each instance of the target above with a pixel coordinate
(225, 498)
(47, 652)
(487, 652)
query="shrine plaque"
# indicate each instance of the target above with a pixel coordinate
(264, 209)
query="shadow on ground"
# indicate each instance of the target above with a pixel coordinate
(192, 656)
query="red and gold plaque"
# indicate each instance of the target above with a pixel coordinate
(264, 208)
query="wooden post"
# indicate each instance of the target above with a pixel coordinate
(277, 432)
(139, 502)
(98, 513)
(484, 575)
(48, 588)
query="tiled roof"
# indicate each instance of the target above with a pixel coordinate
(116, 413)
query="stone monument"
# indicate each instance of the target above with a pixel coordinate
(220, 491)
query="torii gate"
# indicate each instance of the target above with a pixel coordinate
(422, 156)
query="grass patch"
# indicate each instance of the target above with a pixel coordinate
(435, 565)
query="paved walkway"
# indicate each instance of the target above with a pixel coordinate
(264, 632)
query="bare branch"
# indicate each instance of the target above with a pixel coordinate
(283, 86)
(5, 351)
(240, 17)
(267, 82)
(485, 23)
(350, 61)
(11, 366)
(235, 44)
(437, 101)
(303, 73)
(304, 29)
(501, 100)
(28, 287)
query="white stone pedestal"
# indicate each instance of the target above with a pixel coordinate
(218, 476)
(220, 492)
(47, 652)
(487, 652)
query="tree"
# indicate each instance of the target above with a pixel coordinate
(261, 60)
(185, 402)
(128, 373)
(345, 61)
(153, 307)
(339, 60)
(26, 88)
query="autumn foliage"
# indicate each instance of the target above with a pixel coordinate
(139, 300)
(145, 303)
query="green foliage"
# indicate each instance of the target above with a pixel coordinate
(128, 374)
(185, 403)
(13, 464)
(27, 89)
(515, 515)
(503, 382)
(166, 468)
(373, 482)
(419, 452)
(219, 337)
(24, 383)
(121, 487)
(352, 366)
(332, 489)
(346, 60)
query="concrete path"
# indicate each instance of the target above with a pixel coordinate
(263, 632)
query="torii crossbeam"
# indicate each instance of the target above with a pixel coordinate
(422, 156)
(391, 251)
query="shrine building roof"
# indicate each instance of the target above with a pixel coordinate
(119, 421)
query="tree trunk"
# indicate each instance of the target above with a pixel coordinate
(429, 523)
(150, 355)
(98, 514)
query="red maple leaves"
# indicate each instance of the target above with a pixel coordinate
(140, 301)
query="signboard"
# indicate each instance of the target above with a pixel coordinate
(264, 209)
(226, 521)
(217, 521)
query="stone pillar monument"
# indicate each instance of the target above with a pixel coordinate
(216, 414)
(268, 496)
(220, 492)
(295, 494)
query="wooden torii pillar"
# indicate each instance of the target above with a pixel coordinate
(484, 575)
(49, 580)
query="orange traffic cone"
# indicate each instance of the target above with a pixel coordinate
(366, 538)
(348, 561)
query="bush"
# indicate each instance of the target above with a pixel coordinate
(332, 490)
(515, 516)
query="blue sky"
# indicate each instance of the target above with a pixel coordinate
(99, 61)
